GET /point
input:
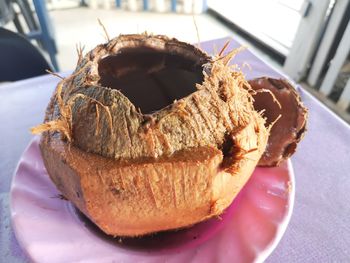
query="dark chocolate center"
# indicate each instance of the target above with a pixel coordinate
(150, 78)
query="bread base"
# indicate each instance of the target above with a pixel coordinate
(138, 197)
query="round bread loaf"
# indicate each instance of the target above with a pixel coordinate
(151, 134)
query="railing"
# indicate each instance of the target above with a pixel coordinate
(337, 63)
(322, 65)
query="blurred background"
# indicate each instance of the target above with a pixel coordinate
(309, 40)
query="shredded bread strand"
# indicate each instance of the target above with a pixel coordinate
(275, 100)
(55, 125)
(64, 122)
(104, 30)
(80, 50)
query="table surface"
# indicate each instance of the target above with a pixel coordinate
(319, 230)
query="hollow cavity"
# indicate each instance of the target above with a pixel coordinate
(151, 79)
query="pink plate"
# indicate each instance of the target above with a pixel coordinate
(49, 229)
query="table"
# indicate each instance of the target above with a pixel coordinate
(319, 230)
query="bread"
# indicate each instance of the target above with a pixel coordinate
(291, 113)
(151, 134)
(133, 198)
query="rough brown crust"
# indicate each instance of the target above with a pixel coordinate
(290, 128)
(133, 198)
(133, 173)
(105, 122)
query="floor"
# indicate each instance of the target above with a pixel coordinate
(278, 20)
(75, 25)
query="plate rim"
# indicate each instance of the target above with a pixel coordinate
(282, 227)
(260, 257)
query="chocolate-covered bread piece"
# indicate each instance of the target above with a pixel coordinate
(290, 127)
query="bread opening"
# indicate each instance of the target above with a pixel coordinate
(150, 78)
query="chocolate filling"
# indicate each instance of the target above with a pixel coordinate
(289, 129)
(150, 78)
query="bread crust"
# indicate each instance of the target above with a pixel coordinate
(132, 173)
(133, 198)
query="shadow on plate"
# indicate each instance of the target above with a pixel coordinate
(165, 241)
